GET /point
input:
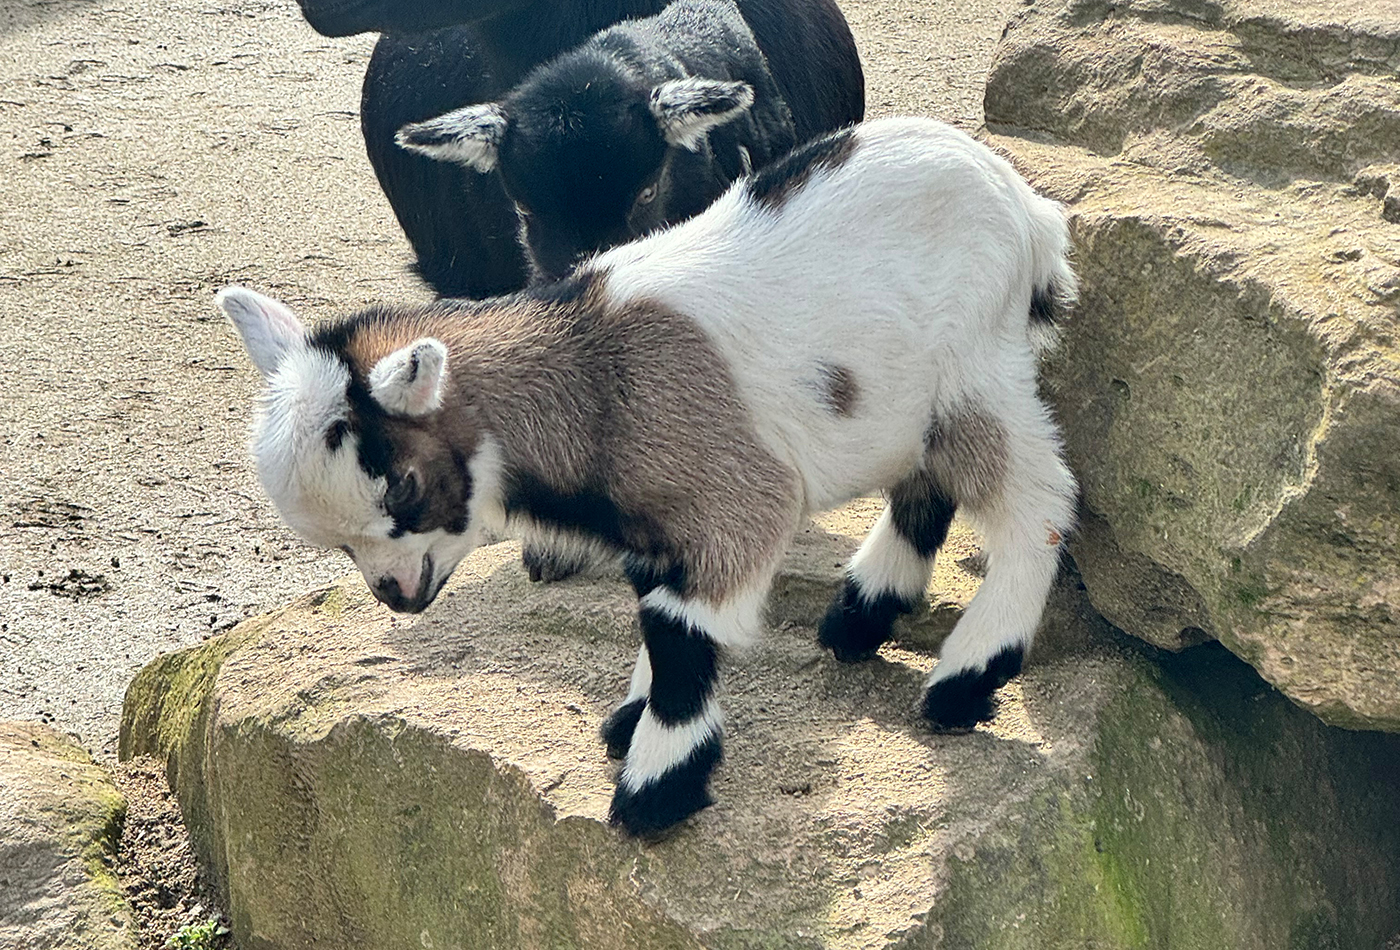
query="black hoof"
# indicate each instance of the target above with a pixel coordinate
(618, 727)
(660, 805)
(545, 565)
(959, 702)
(854, 627)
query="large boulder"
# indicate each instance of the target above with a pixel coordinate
(362, 780)
(1230, 383)
(60, 820)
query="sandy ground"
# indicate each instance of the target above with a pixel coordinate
(148, 161)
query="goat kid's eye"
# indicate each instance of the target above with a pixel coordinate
(647, 195)
(401, 492)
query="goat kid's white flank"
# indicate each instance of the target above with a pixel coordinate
(921, 236)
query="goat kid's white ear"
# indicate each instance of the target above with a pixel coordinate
(686, 109)
(410, 381)
(469, 136)
(267, 327)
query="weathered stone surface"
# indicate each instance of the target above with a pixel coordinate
(59, 822)
(369, 781)
(1230, 384)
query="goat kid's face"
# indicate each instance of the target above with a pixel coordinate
(356, 462)
(587, 164)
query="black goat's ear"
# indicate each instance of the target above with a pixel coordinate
(686, 109)
(469, 136)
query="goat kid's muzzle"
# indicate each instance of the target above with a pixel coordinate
(388, 592)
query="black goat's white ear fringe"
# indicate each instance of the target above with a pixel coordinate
(687, 109)
(469, 136)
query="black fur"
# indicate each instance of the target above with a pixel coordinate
(857, 623)
(587, 511)
(772, 186)
(646, 576)
(854, 627)
(546, 565)
(961, 701)
(684, 667)
(1045, 306)
(617, 729)
(586, 161)
(460, 223)
(922, 513)
(676, 796)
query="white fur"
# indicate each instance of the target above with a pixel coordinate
(469, 136)
(325, 496)
(658, 748)
(682, 108)
(911, 265)
(640, 686)
(735, 623)
(410, 381)
(267, 327)
(887, 563)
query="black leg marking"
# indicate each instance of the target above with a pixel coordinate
(854, 627)
(922, 513)
(961, 701)
(647, 575)
(672, 798)
(618, 727)
(684, 667)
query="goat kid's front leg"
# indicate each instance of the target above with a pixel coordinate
(622, 722)
(676, 739)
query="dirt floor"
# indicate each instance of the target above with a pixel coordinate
(147, 162)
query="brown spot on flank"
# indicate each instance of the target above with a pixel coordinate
(839, 389)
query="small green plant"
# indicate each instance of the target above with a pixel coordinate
(198, 936)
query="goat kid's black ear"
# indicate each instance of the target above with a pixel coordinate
(469, 136)
(686, 109)
(410, 381)
(267, 327)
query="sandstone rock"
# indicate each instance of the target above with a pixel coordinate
(59, 821)
(358, 779)
(1230, 383)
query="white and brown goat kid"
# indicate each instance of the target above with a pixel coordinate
(864, 314)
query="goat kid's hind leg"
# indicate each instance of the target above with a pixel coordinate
(889, 574)
(677, 739)
(1022, 519)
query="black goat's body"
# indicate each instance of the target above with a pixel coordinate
(439, 55)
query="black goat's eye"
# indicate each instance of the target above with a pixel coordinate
(402, 492)
(647, 195)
